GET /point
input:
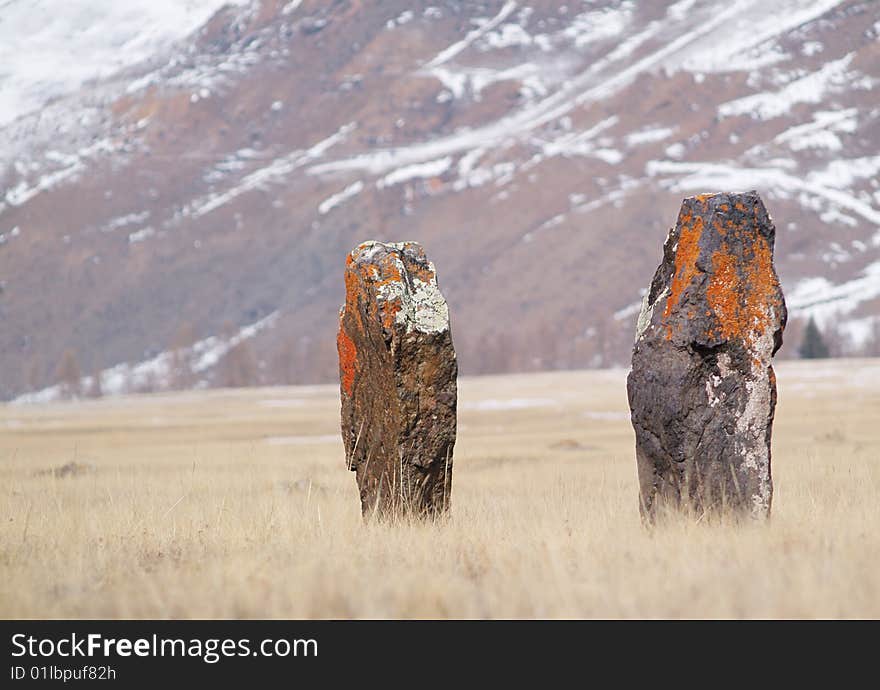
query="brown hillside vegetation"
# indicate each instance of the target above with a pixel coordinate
(538, 150)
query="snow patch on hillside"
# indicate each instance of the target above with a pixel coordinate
(340, 198)
(157, 372)
(485, 26)
(66, 168)
(649, 136)
(126, 220)
(821, 133)
(812, 88)
(273, 173)
(416, 171)
(822, 188)
(746, 42)
(820, 298)
(593, 26)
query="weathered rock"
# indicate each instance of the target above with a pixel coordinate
(397, 370)
(701, 391)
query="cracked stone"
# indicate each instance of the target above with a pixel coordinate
(702, 391)
(398, 380)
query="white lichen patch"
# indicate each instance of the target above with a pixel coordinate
(418, 304)
(713, 383)
(724, 365)
(715, 380)
(752, 423)
(430, 314)
(647, 313)
(365, 251)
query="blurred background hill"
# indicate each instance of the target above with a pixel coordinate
(180, 181)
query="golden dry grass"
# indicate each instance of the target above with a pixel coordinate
(199, 505)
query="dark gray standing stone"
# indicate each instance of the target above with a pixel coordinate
(701, 391)
(398, 372)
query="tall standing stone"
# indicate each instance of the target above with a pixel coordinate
(701, 391)
(397, 371)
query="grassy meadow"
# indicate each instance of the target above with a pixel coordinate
(237, 503)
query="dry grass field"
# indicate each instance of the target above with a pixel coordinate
(237, 504)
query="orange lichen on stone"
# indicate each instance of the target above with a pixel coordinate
(347, 359)
(763, 285)
(423, 273)
(740, 297)
(390, 272)
(344, 344)
(352, 290)
(724, 294)
(389, 313)
(685, 263)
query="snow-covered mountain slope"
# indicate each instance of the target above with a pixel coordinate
(50, 49)
(202, 181)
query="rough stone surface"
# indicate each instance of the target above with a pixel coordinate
(702, 392)
(397, 371)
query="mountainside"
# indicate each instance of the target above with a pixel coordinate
(179, 180)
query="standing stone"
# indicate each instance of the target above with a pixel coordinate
(397, 371)
(701, 391)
